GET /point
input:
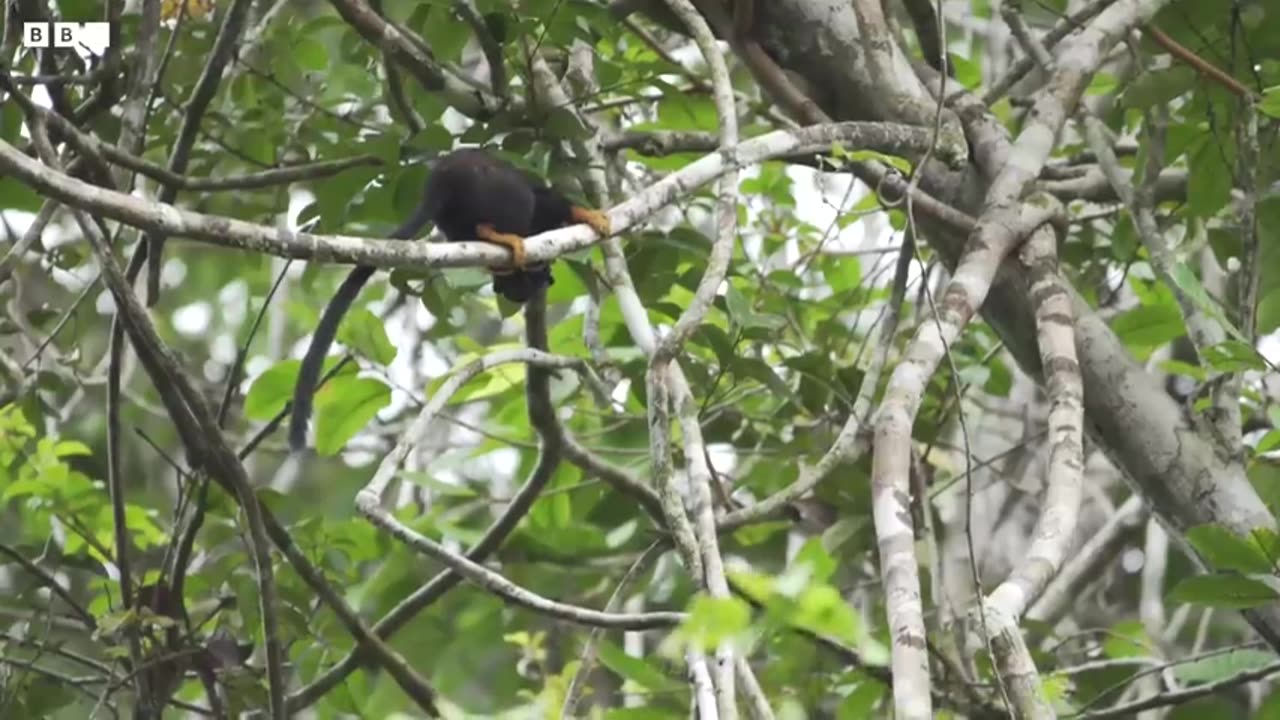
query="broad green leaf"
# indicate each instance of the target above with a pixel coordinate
(365, 333)
(273, 389)
(1126, 639)
(18, 196)
(968, 70)
(1224, 550)
(715, 620)
(1209, 181)
(1270, 104)
(445, 32)
(71, 448)
(757, 586)
(1102, 84)
(861, 701)
(343, 407)
(1268, 318)
(758, 533)
(1233, 356)
(310, 54)
(822, 609)
(1186, 279)
(1268, 442)
(495, 381)
(568, 284)
(1223, 590)
(39, 696)
(821, 565)
(1220, 667)
(564, 124)
(739, 308)
(1159, 87)
(1056, 688)
(843, 275)
(1147, 327)
(683, 111)
(1265, 479)
(640, 671)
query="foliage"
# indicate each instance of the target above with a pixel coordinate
(775, 367)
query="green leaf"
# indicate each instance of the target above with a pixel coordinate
(711, 621)
(1224, 550)
(1269, 312)
(1220, 667)
(820, 563)
(1223, 590)
(637, 670)
(496, 381)
(1186, 279)
(1265, 479)
(71, 448)
(756, 586)
(685, 111)
(999, 380)
(1103, 84)
(11, 125)
(1233, 356)
(1056, 688)
(363, 332)
(310, 54)
(822, 609)
(762, 371)
(568, 286)
(1158, 87)
(1268, 442)
(974, 375)
(18, 196)
(272, 390)
(1124, 240)
(758, 533)
(844, 274)
(38, 696)
(1177, 367)
(1209, 180)
(1270, 104)
(564, 124)
(968, 71)
(444, 32)
(344, 406)
(860, 703)
(1148, 326)
(739, 307)
(1127, 638)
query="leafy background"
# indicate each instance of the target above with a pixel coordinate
(775, 366)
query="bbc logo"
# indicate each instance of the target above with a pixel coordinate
(86, 38)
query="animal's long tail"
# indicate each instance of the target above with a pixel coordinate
(327, 329)
(313, 361)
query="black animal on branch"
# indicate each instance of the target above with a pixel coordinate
(469, 195)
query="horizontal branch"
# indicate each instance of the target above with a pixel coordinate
(156, 217)
(370, 506)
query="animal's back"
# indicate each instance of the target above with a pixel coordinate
(470, 187)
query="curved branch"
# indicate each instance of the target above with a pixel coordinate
(227, 232)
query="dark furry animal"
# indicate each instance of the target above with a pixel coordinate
(469, 195)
